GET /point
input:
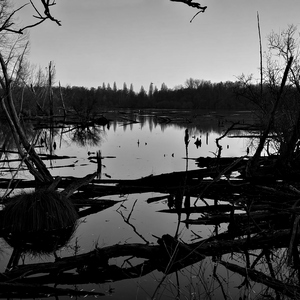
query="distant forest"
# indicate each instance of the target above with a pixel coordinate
(195, 94)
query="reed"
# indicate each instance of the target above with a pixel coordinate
(39, 222)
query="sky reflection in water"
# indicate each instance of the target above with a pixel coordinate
(138, 150)
(152, 155)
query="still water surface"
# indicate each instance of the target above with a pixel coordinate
(133, 151)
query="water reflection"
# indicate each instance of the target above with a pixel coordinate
(86, 136)
(147, 234)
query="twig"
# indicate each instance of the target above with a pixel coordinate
(126, 220)
(222, 136)
(226, 170)
(219, 281)
(169, 265)
(292, 240)
(286, 289)
(195, 16)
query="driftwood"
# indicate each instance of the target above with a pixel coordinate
(205, 182)
(75, 185)
(167, 256)
(42, 156)
(219, 208)
(92, 206)
(240, 219)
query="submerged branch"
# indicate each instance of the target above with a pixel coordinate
(286, 289)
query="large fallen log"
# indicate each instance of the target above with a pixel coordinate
(169, 255)
(219, 208)
(242, 219)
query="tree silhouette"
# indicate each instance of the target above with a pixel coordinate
(150, 92)
(125, 88)
(115, 87)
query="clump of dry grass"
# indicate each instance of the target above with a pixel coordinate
(38, 222)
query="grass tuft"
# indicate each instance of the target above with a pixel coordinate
(39, 222)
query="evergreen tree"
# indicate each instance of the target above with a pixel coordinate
(115, 87)
(131, 91)
(125, 88)
(164, 87)
(150, 92)
(142, 92)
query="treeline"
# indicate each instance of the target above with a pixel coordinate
(195, 94)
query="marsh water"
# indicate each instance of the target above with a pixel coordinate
(135, 145)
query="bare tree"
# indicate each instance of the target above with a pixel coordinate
(277, 98)
(11, 71)
(285, 47)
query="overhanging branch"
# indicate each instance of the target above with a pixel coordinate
(192, 4)
(46, 15)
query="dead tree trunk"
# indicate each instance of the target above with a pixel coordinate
(253, 163)
(16, 127)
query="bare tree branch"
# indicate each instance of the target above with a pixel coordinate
(42, 17)
(192, 4)
(47, 15)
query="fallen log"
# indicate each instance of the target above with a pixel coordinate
(240, 219)
(92, 206)
(160, 255)
(208, 162)
(54, 157)
(219, 208)
(70, 189)
(92, 260)
(176, 255)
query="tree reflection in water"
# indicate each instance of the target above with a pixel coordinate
(89, 135)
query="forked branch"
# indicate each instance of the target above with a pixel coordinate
(46, 15)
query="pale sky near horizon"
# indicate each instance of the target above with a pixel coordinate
(144, 41)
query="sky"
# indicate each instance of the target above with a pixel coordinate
(153, 41)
